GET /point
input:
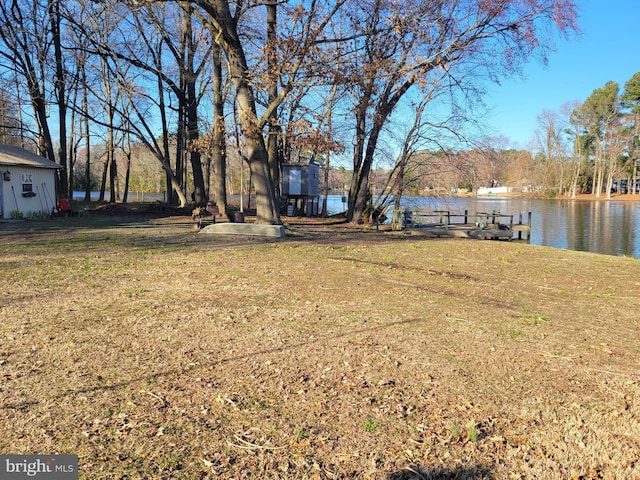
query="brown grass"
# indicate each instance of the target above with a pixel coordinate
(152, 351)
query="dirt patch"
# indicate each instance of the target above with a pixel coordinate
(152, 351)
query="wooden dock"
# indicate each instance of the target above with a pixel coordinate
(480, 225)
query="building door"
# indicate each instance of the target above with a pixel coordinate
(295, 181)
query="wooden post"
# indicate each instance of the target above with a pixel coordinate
(519, 230)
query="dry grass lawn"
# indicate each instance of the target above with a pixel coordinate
(152, 351)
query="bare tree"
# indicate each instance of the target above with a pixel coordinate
(311, 19)
(553, 143)
(10, 126)
(403, 45)
(26, 36)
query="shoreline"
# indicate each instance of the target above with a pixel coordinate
(590, 197)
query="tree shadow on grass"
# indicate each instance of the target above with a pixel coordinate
(473, 472)
(234, 358)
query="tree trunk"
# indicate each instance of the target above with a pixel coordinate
(364, 194)
(127, 175)
(45, 144)
(72, 148)
(577, 164)
(191, 109)
(219, 135)
(111, 155)
(274, 130)
(87, 173)
(193, 135)
(327, 163)
(266, 210)
(60, 86)
(358, 158)
(103, 181)
(180, 151)
(172, 184)
(266, 205)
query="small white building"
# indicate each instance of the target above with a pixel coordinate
(27, 183)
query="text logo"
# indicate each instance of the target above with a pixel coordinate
(39, 467)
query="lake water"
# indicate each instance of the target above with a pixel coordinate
(603, 226)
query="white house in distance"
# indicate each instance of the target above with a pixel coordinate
(27, 183)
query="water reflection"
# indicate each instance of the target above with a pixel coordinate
(608, 227)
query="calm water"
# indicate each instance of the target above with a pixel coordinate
(608, 226)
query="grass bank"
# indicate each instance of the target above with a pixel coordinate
(152, 351)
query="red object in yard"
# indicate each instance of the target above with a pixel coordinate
(65, 206)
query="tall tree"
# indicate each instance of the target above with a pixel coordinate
(552, 141)
(402, 44)
(191, 60)
(574, 131)
(188, 46)
(599, 114)
(226, 22)
(10, 128)
(631, 102)
(219, 150)
(26, 36)
(308, 20)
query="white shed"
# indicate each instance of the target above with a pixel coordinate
(27, 183)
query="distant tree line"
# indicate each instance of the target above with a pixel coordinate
(592, 146)
(191, 82)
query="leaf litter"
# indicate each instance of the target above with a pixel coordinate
(328, 354)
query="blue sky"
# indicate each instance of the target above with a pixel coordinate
(608, 49)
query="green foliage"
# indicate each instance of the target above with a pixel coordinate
(631, 95)
(36, 215)
(133, 293)
(370, 426)
(537, 319)
(300, 434)
(455, 429)
(472, 432)
(600, 108)
(16, 214)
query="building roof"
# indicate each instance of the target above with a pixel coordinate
(10, 155)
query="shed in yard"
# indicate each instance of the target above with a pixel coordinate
(27, 183)
(300, 187)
